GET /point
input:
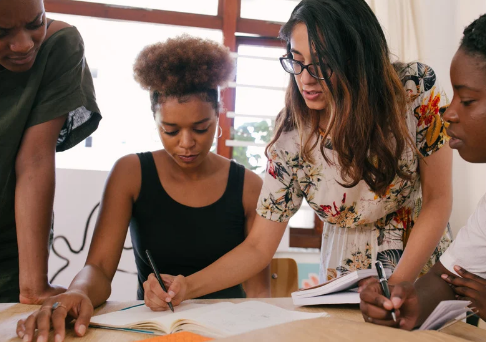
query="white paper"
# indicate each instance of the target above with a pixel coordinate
(345, 297)
(342, 283)
(252, 315)
(444, 312)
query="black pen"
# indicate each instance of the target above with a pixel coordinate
(384, 284)
(157, 275)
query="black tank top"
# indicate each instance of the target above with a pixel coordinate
(184, 240)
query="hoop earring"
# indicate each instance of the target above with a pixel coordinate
(220, 131)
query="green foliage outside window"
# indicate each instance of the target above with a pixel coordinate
(258, 132)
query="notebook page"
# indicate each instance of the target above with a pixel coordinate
(249, 316)
(137, 315)
(444, 312)
(190, 315)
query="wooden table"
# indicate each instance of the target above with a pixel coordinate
(345, 324)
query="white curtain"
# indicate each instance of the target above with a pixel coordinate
(398, 22)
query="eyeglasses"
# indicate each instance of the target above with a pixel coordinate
(296, 68)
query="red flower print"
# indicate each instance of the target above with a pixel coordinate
(271, 169)
(327, 209)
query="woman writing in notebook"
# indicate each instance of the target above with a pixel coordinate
(185, 204)
(47, 104)
(461, 271)
(361, 141)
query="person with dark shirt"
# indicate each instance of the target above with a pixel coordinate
(47, 104)
(185, 204)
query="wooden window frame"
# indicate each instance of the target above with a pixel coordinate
(229, 21)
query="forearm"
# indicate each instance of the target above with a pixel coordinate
(93, 282)
(431, 290)
(233, 268)
(259, 285)
(423, 240)
(34, 196)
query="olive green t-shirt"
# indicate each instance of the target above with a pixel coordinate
(59, 83)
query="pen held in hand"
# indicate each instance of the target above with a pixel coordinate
(157, 275)
(384, 285)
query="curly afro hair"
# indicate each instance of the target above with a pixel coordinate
(474, 39)
(184, 66)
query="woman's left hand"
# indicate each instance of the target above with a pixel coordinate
(365, 282)
(469, 287)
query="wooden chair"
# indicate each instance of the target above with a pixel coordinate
(284, 277)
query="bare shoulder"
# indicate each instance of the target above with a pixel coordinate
(127, 166)
(251, 191)
(126, 174)
(253, 181)
(55, 26)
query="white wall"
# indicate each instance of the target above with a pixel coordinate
(77, 193)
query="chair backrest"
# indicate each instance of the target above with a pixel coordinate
(284, 277)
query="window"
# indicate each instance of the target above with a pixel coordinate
(207, 7)
(260, 89)
(260, 92)
(268, 10)
(127, 125)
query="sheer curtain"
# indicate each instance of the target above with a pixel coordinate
(397, 20)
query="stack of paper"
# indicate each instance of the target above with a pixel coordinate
(340, 290)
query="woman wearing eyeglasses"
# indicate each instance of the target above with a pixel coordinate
(361, 141)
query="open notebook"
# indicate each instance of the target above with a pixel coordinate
(446, 313)
(213, 320)
(341, 290)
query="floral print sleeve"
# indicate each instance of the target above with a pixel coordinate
(429, 102)
(281, 195)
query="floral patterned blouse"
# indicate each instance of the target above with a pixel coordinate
(360, 227)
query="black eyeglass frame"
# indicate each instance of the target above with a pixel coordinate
(282, 59)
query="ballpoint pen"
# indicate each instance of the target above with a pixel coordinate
(384, 285)
(157, 275)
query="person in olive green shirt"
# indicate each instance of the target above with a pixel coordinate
(47, 104)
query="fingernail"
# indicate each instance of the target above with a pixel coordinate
(171, 293)
(26, 338)
(168, 299)
(41, 339)
(444, 276)
(82, 329)
(396, 301)
(458, 268)
(58, 338)
(21, 334)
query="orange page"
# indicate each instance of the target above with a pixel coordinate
(184, 336)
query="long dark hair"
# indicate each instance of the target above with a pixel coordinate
(367, 104)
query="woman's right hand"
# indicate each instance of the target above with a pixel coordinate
(376, 308)
(156, 298)
(72, 303)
